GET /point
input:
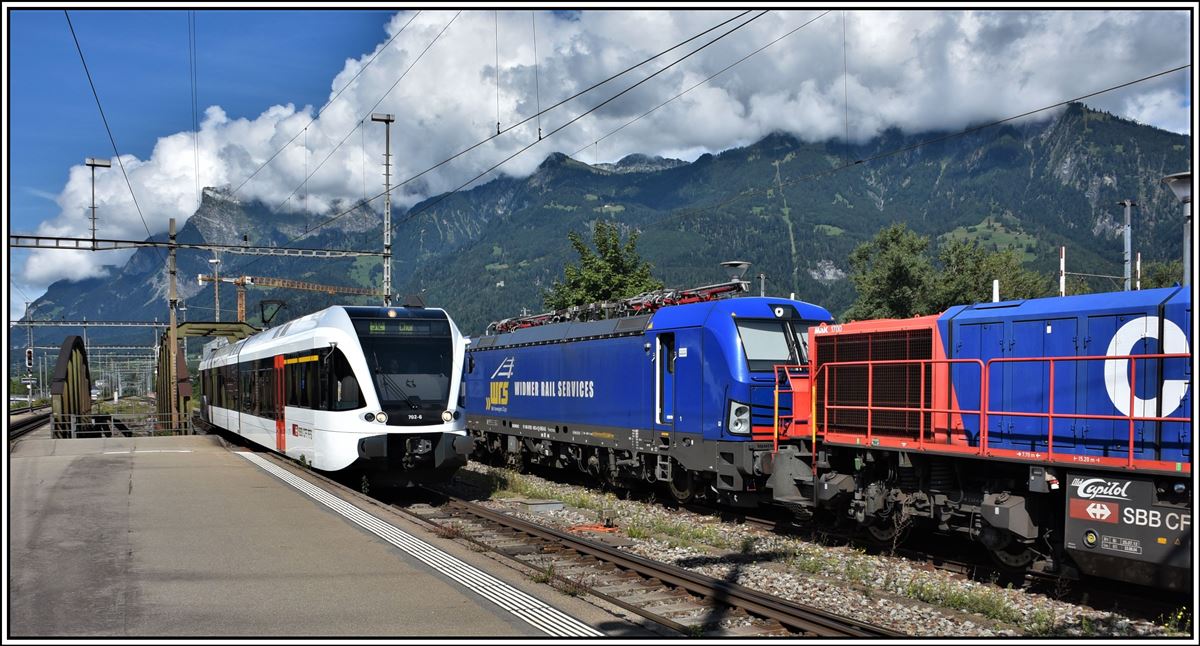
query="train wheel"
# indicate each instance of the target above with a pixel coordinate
(682, 484)
(1013, 556)
(515, 461)
(888, 531)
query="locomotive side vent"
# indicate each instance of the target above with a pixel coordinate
(889, 385)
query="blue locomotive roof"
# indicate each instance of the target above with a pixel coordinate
(1093, 304)
(675, 316)
(751, 307)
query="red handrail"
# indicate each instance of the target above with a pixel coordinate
(985, 409)
(921, 410)
(1050, 415)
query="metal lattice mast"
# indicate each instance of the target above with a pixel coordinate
(386, 120)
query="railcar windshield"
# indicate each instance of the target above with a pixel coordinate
(768, 343)
(410, 361)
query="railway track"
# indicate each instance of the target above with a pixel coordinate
(947, 553)
(684, 601)
(19, 427)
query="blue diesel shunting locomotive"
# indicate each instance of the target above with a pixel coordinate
(684, 394)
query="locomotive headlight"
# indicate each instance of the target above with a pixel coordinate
(447, 416)
(739, 418)
(370, 417)
(381, 417)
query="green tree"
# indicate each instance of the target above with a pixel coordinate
(891, 274)
(613, 271)
(1162, 274)
(968, 271)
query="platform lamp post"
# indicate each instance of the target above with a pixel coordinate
(386, 120)
(216, 265)
(94, 163)
(1181, 186)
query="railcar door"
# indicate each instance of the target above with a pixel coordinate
(664, 381)
(280, 426)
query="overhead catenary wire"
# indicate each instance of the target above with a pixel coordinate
(111, 139)
(514, 126)
(696, 85)
(327, 104)
(444, 196)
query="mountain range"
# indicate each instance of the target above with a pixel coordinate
(794, 209)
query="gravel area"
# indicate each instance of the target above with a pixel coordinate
(890, 591)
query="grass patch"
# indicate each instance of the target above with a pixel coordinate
(505, 483)
(561, 207)
(1178, 622)
(1003, 232)
(361, 268)
(829, 230)
(990, 604)
(681, 533)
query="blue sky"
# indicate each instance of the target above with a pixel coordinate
(264, 74)
(247, 60)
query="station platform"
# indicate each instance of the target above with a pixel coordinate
(185, 536)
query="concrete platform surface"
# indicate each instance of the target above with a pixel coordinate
(179, 536)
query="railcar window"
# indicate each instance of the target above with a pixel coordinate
(246, 378)
(347, 395)
(771, 343)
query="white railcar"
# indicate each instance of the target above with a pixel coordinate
(375, 389)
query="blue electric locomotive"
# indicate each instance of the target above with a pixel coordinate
(684, 394)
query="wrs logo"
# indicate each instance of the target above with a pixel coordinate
(498, 390)
(1093, 488)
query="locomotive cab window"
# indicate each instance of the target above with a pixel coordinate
(771, 343)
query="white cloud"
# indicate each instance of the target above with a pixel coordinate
(916, 70)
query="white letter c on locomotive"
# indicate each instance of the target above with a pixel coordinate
(1116, 371)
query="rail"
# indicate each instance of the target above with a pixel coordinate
(795, 617)
(20, 427)
(986, 409)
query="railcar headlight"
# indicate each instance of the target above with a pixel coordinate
(370, 417)
(739, 418)
(447, 416)
(381, 417)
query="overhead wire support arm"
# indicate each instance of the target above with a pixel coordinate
(87, 244)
